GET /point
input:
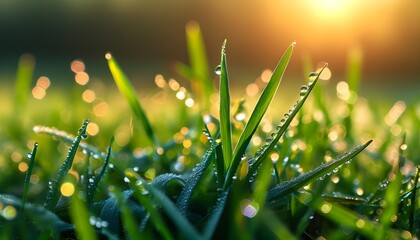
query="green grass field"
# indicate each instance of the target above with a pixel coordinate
(189, 161)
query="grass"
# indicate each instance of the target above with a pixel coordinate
(210, 170)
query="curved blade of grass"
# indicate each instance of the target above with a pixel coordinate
(183, 225)
(54, 193)
(257, 114)
(284, 124)
(193, 180)
(41, 217)
(225, 125)
(80, 216)
(153, 213)
(286, 188)
(215, 216)
(28, 175)
(128, 220)
(127, 89)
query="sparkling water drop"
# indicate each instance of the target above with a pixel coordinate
(84, 151)
(313, 74)
(251, 179)
(84, 136)
(29, 155)
(92, 220)
(91, 180)
(234, 177)
(294, 43)
(136, 169)
(303, 90)
(111, 165)
(96, 156)
(218, 70)
(126, 180)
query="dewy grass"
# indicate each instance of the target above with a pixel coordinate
(286, 184)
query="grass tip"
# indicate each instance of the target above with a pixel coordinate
(108, 55)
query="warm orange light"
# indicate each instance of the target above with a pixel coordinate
(82, 78)
(92, 129)
(77, 66)
(89, 96)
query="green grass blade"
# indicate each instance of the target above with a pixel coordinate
(257, 114)
(96, 179)
(128, 220)
(276, 226)
(215, 216)
(183, 225)
(412, 209)
(391, 200)
(80, 217)
(225, 124)
(24, 77)
(281, 128)
(139, 193)
(352, 220)
(127, 89)
(54, 193)
(286, 188)
(199, 64)
(193, 180)
(28, 174)
(43, 219)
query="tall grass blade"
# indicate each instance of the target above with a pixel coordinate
(80, 216)
(28, 175)
(92, 185)
(286, 188)
(225, 124)
(127, 89)
(281, 128)
(128, 220)
(215, 216)
(199, 65)
(193, 180)
(153, 213)
(183, 225)
(24, 77)
(391, 200)
(54, 193)
(276, 226)
(257, 114)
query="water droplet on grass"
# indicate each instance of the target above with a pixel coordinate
(294, 43)
(218, 70)
(313, 74)
(84, 136)
(29, 155)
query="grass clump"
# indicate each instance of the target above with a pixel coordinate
(219, 176)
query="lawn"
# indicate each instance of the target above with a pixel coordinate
(187, 160)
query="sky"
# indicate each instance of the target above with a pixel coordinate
(152, 33)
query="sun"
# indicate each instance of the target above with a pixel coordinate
(331, 7)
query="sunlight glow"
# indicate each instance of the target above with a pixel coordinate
(67, 189)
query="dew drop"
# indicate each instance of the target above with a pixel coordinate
(126, 180)
(251, 179)
(294, 43)
(234, 177)
(84, 136)
(29, 155)
(91, 180)
(313, 74)
(92, 221)
(84, 151)
(218, 70)
(136, 169)
(111, 165)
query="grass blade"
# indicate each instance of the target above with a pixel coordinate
(225, 125)
(23, 80)
(215, 216)
(183, 225)
(193, 180)
(128, 220)
(256, 116)
(80, 216)
(413, 200)
(286, 188)
(127, 89)
(96, 179)
(199, 65)
(139, 193)
(28, 175)
(281, 128)
(54, 193)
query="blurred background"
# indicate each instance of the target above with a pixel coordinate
(147, 37)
